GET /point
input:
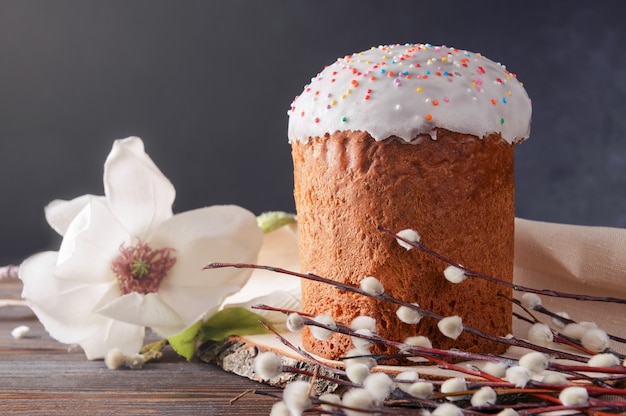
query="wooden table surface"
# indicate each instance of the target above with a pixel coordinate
(39, 376)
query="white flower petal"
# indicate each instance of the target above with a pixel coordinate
(90, 245)
(140, 196)
(225, 233)
(277, 299)
(145, 310)
(279, 249)
(191, 304)
(128, 338)
(63, 307)
(60, 213)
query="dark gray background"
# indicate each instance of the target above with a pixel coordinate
(207, 86)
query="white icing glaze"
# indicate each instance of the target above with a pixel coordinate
(409, 90)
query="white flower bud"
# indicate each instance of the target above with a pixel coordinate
(363, 322)
(454, 274)
(296, 397)
(484, 397)
(508, 412)
(362, 343)
(495, 368)
(380, 385)
(574, 396)
(595, 340)
(372, 286)
(21, 331)
(530, 300)
(410, 235)
(454, 385)
(330, 400)
(294, 322)
(517, 375)
(359, 353)
(135, 361)
(279, 409)
(409, 315)
(604, 360)
(115, 359)
(540, 334)
(357, 372)
(358, 398)
(419, 341)
(451, 326)
(574, 331)
(447, 409)
(554, 378)
(268, 365)
(558, 322)
(421, 389)
(405, 379)
(534, 361)
(323, 333)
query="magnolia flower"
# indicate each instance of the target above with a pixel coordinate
(127, 263)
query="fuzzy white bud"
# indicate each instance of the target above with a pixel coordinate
(530, 300)
(454, 274)
(21, 331)
(380, 385)
(447, 409)
(508, 412)
(558, 322)
(362, 343)
(554, 378)
(279, 409)
(405, 379)
(454, 385)
(596, 340)
(372, 286)
(484, 397)
(329, 401)
(495, 368)
(363, 322)
(115, 359)
(574, 396)
(540, 334)
(357, 372)
(410, 235)
(323, 333)
(451, 326)
(360, 399)
(360, 356)
(417, 341)
(135, 361)
(534, 361)
(574, 331)
(604, 360)
(421, 389)
(294, 322)
(409, 315)
(518, 375)
(296, 397)
(268, 365)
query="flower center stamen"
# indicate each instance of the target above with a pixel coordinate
(141, 269)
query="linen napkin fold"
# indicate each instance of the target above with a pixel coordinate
(574, 259)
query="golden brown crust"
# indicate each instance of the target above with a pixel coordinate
(456, 191)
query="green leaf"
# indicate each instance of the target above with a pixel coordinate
(231, 321)
(184, 343)
(270, 221)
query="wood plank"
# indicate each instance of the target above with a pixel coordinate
(39, 376)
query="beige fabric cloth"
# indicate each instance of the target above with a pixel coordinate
(574, 259)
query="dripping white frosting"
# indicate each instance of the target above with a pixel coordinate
(410, 90)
